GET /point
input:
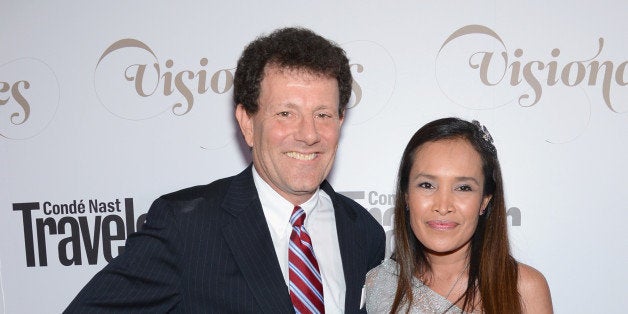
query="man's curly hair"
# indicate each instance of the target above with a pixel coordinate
(294, 49)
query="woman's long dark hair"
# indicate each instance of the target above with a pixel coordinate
(492, 269)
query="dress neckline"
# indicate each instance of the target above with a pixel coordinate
(419, 286)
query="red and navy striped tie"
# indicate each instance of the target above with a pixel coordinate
(306, 286)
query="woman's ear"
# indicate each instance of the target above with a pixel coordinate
(485, 200)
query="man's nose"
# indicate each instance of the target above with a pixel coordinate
(308, 131)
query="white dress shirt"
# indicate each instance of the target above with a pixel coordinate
(320, 224)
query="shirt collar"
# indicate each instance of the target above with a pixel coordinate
(275, 206)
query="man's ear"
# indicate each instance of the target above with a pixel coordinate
(246, 124)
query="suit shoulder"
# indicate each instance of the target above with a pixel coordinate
(190, 199)
(359, 210)
(217, 187)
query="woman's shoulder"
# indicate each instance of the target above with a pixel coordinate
(384, 274)
(381, 286)
(387, 267)
(530, 278)
(534, 290)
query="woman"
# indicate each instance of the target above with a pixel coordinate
(451, 250)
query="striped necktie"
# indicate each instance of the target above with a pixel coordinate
(306, 287)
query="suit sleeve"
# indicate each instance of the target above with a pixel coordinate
(144, 278)
(379, 246)
(375, 238)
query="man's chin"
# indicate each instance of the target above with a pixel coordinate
(305, 189)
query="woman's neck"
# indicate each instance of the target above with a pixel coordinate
(448, 265)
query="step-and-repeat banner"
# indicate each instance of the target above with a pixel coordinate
(107, 105)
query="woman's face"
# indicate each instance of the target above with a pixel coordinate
(445, 195)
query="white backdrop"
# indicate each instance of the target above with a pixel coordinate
(89, 115)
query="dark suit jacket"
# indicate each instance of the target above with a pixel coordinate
(207, 249)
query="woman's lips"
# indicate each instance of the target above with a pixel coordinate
(441, 224)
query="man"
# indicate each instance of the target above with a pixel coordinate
(230, 246)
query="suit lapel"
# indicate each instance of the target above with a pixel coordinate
(350, 248)
(249, 239)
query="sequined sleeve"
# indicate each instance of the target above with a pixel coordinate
(381, 284)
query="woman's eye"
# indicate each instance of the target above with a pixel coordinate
(426, 185)
(465, 188)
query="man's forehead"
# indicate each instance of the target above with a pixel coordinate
(299, 72)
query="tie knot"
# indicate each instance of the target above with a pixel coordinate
(298, 217)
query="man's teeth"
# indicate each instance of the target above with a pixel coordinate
(300, 156)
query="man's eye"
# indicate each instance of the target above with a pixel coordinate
(283, 114)
(324, 115)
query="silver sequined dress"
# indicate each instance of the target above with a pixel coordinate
(381, 284)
